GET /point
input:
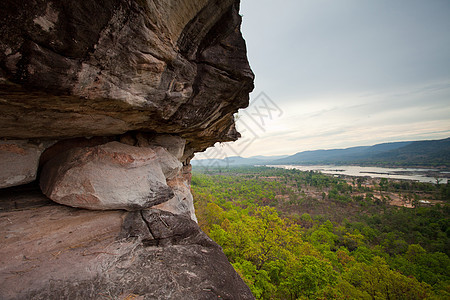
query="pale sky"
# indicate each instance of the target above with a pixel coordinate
(343, 73)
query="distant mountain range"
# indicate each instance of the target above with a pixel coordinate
(432, 153)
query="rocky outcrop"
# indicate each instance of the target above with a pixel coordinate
(59, 252)
(104, 103)
(87, 68)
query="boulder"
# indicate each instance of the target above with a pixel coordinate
(19, 160)
(110, 176)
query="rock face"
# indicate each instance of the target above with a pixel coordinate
(182, 202)
(105, 103)
(110, 176)
(88, 68)
(59, 252)
(19, 161)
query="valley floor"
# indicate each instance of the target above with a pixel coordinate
(305, 235)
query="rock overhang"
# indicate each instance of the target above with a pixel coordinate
(65, 75)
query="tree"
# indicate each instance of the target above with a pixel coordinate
(306, 276)
(258, 280)
(306, 220)
(323, 237)
(414, 252)
(380, 282)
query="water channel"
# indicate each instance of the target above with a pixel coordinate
(422, 175)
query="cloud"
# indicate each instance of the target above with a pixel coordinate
(347, 73)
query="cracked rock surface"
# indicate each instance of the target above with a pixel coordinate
(59, 252)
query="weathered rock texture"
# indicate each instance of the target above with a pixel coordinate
(50, 251)
(89, 68)
(19, 161)
(110, 176)
(182, 202)
(120, 94)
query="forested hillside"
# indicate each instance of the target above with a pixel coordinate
(433, 153)
(305, 235)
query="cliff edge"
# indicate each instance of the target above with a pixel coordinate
(102, 106)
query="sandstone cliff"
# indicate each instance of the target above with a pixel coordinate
(102, 106)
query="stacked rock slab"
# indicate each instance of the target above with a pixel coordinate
(58, 252)
(110, 176)
(81, 68)
(104, 104)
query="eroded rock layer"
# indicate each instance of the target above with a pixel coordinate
(88, 68)
(102, 106)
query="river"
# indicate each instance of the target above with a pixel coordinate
(422, 175)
